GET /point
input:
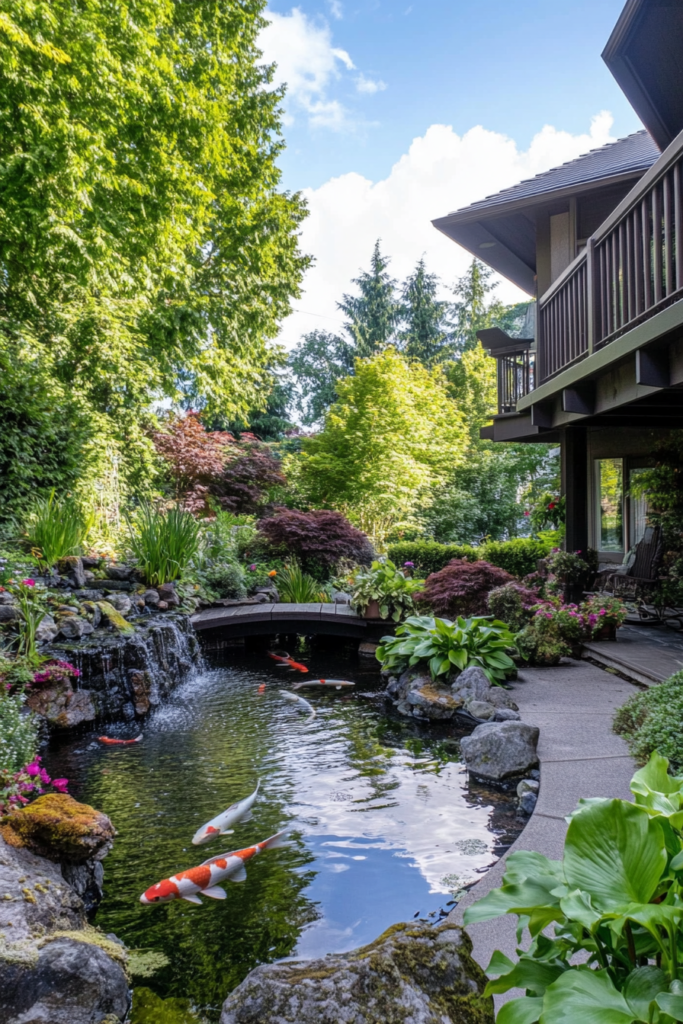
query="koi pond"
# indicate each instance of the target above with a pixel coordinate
(383, 825)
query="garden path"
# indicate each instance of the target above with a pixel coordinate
(573, 706)
(646, 654)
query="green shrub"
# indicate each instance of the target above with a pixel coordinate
(542, 641)
(447, 646)
(653, 721)
(517, 556)
(226, 579)
(55, 528)
(512, 604)
(163, 543)
(604, 921)
(18, 734)
(387, 585)
(427, 556)
(298, 587)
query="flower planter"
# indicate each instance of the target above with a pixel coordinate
(607, 632)
(372, 611)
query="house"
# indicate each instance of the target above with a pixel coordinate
(598, 242)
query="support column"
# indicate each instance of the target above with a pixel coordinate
(575, 486)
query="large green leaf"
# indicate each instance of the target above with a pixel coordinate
(520, 1011)
(642, 987)
(614, 851)
(527, 897)
(532, 975)
(585, 997)
(671, 1004)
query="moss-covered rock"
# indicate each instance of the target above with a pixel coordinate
(58, 827)
(412, 974)
(115, 618)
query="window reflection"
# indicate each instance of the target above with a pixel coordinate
(610, 510)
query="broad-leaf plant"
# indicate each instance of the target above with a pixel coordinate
(605, 921)
(387, 585)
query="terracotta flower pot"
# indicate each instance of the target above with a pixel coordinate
(372, 611)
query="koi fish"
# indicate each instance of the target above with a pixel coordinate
(205, 879)
(262, 688)
(300, 700)
(220, 825)
(286, 662)
(336, 683)
(108, 739)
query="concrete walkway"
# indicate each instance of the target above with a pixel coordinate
(573, 706)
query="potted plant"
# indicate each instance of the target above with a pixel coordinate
(604, 615)
(383, 592)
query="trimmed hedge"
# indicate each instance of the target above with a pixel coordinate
(651, 721)
(517, 556)
(428, 556)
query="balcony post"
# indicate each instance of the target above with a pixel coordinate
(591, 295)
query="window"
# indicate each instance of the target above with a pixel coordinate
(637, 520)
(609, 489)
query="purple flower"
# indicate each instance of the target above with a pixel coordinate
(33, 768)
(409, 565)
(252, 567)
(60, 785)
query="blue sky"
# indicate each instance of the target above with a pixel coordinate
(398, 112)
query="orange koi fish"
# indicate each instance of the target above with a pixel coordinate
(262, 688)
(204, 880)
(285, 661)
(108, 739)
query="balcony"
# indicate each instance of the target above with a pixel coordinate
(630, 270)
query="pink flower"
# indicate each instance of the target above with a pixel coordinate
(527, 513)
(22, 799)
(603, 612)
(33, 768)
(29, 583)
(60, 785)
(252, 567)
(45, 778)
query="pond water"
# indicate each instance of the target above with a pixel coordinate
(382, 823)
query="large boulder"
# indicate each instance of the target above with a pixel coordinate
(73, 627)
(72, 567)
(499, 750)
(60, 828)
(62, 706)
(431, 701)
(412, 974)
(471, 684)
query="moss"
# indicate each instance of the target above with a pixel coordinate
(24, 952)
(115, 618)
(28, 896)
(92, 937)
(433, 693)
(143, 963)
(57, 826)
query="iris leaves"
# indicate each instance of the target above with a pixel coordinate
(615, 907)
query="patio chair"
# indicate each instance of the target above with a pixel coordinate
(638, 578)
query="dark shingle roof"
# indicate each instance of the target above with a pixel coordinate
(634, 153)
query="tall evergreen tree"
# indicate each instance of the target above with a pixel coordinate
(373, 316)
(476, 308)
(424, 334)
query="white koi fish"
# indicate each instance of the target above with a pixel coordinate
(336, 683)
(300, 700)
(205, 879)
(220, 825)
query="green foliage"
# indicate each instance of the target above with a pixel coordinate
(387, 585)
(142, 233)
(614, 904)
(298, 587)
(542, 641)
(55, 528)
(475, 308)
(517, 556)
(662, 485)
(226, 579)
(317, 363)
(391, 436)
(428, 556)
(163, 543)
(512, 603)
(447, 646)
(18, 734)
(548, 511)
(31, 602)
(424, 333)
(653, 721)
(372, 316)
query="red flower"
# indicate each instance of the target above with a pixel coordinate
(551, 505)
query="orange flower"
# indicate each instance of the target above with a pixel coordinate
(273, 572)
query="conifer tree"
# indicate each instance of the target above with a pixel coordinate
(373, 316)
(424, 334)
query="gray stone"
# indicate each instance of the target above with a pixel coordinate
(431, 701)
(118, 572)
(501, 698)
(527, 786)
(527, 803)
(73, 627)
(498, 750)
(481, 709)
(413, 974)
(472, 684)
(6, 597)
(121, 602)
(62, 706)
(261, 598)
(339, 597)
(167, 593)
(72, 568)
(9, 613)
(91, 611)
(151, 598)
(506, 715)
(88, 595)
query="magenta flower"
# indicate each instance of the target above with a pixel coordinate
(60, 785)
(29, 583)
(33, 768)
(409, 565)
(45, 778)
(252, 567)
(527, 513)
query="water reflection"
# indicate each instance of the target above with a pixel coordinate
(382, 824)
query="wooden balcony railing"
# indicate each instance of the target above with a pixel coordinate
(632, 268)
(515, 377)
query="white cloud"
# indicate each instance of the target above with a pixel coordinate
(311, 66)
(336, 9)
(441, 171)
(369, 85)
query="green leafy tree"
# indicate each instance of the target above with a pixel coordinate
(372, 316)
(316, 364)
(424, 334)
(141, 227)
(390, 437)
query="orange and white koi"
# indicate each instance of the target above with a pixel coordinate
(336, 683)
(205, 880)
(112, 742)
(300, 700)
(284, 661)
(220, 825)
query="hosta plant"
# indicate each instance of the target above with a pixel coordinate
(447, 646)
(605, 921)
(387, 585)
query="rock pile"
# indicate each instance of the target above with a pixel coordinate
(415, 694)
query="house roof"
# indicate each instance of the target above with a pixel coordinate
(630, 155)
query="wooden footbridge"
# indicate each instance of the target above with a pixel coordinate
(264, 619)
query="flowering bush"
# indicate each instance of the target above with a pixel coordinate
(54, 672)
(541, 641)
(513, 604)
(601, 610)
(18, 788)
